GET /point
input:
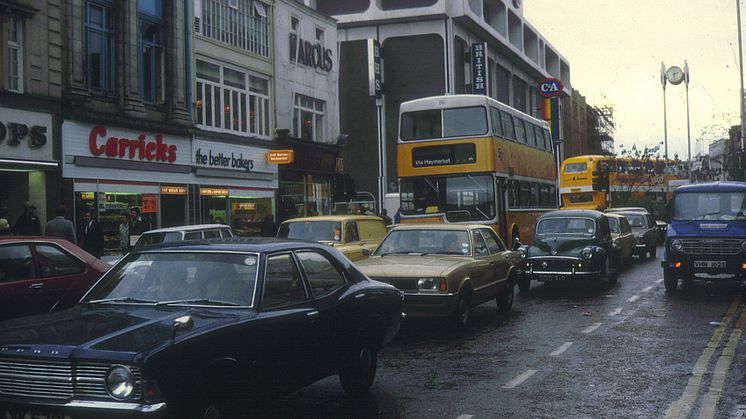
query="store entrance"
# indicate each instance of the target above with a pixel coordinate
(173, 210)
(214, 209)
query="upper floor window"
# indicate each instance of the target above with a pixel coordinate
(320, 36)
(294, 24)
(15, 55)
(308, 118)
(100, 57)
(232, 100)
(151, 50)
(242, 24)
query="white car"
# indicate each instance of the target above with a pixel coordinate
(174, 234)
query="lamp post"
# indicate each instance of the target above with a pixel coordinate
(665, 127)
(688, 128)
(740, 76)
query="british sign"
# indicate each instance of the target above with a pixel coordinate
(479, 68)
(550, 87)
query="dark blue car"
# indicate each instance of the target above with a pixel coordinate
(706, 237)
(196, 329)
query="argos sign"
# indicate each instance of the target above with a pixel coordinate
(140, 148)
(550, 87)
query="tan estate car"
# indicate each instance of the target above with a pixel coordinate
(623, 239)
(349, 234)
(445, 269)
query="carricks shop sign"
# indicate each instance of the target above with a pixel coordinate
(140, 148)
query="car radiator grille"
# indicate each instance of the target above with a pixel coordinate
(553, 265)
(56, 380)
(711, 246)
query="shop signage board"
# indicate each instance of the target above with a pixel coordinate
(280, 156)
(550, 87)
(375, 78)
(229, 156)
(25, 135)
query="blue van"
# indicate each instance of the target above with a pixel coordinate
(706, 237)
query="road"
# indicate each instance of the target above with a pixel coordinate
(566, 350)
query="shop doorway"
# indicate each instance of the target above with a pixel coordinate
(173, 210)
(214, 209)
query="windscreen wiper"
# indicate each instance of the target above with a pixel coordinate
(122, 300)
(702, 217)
(207, 301)
(401, 252)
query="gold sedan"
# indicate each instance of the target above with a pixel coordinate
(445, 269)
(350, 234)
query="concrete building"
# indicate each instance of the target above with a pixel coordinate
(425, 50)
(30, 90)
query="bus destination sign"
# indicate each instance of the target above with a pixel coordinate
(444, 155)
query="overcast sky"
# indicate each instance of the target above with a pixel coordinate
(615, 49)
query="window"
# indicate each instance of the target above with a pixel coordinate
(294, 24)
(151, 60)
(455, 122)
(461, 198)
(232, 100)
(493, 242)
(507, 123)
(195, 235)
(282, 282)
(480, 247)
(322, 276)
(520, 130)
(55, 262)
(497, 128)
(15, 55)
(100, 53)
(308, 119)
(16, 263)
(239, 23)
(352, 234)
(320, 36)
(576, 167)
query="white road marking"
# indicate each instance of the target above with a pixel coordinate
(646, 289)
(659, 281)
(520, 379)
(616, 311)
(592, 327)
(561, 349)
(465, 417)
(633, 298)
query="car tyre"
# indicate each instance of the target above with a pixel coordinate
(505, 299)
(669, 281)
(358, 376)
(463, 309)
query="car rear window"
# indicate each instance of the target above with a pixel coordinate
(371, 229)
(319, 231)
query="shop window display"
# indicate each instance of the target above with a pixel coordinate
(109, 206)
(247, 214)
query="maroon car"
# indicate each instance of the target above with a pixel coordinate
(41, 274)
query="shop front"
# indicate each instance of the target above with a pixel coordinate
(113, 170)
(236, 184)
(28, 170)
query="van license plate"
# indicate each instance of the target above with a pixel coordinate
(713, 264)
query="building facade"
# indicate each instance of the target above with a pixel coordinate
(30, 92)
(307, 108)
(425, 51)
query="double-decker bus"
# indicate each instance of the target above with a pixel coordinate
(598, 182)
(471, 159)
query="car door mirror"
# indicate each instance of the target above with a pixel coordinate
(367, 252)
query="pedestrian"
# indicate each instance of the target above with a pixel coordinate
(124, 232)
(91, 237)
(28, 223)
(385, 216)
(138, 224)
(269, 226)
(59, 226)
(5, 229)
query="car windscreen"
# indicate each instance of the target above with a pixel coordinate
(318, 231)
(566, 225)
(405, 241)
(722, 206)
(155, 238)
(221, 279)
(636, 221)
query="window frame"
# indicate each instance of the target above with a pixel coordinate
(107, 70)
(17, 46)
(157, 50)
(34, 274)
(81, 264)
(317, 115)
(332, 262)
(309, 295)
(246, 27)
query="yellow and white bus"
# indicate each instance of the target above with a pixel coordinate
(576, 183)
(471, 159)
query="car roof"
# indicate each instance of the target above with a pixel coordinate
(573, 213)
(188, 228)
(633, 213)
(712, 187)
(614, 215)
(345, 217)
(437, 226)
(235, 244)
(26, 239)
(626, 209)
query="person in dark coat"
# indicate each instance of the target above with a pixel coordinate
(138, 224)
(91, 237)
(269, 226)
(28, 223)
(59, 226)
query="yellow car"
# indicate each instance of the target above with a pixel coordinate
(349, 234)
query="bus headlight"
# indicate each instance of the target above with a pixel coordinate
(676, 245)
(120, 382)
(586, 253)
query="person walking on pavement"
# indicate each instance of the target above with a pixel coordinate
(138, 225)
(91, 237)
(28, 223)
(59, 226)
(124, 232)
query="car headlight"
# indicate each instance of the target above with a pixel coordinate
(586, 253)
(120, 382)
(428, 284)
(676, 245)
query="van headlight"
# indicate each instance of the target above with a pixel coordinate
(676, 245)
(120, 382)
(586, 253)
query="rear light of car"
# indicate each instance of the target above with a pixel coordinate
(743, 266)
(677, 265)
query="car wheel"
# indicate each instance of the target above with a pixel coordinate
(505, 299)
(524, 284)
(463, 310)
(669, 281)
(610, 274)
(357, 377)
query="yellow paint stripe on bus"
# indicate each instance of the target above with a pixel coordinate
(683, 406)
